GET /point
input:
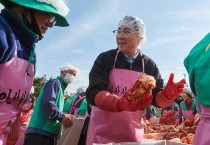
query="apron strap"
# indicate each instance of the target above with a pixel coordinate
(78, 101)
(76, 104)
(116, 58)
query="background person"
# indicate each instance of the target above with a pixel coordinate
(48, 113)
(187, 107)
(150, 112)
(112, 74)
(168, 114)
(77, 106)
(22, 24)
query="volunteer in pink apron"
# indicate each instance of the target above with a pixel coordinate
(78, 106)
(197, 65)
(112, 74)
(168, 114)
(187, 107)
(149, 112)
(22, 24)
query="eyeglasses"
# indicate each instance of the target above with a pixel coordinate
(124, 32)
(50, 17)
(52, 21)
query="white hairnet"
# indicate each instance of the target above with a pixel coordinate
(135, 23)
(189, 92)
(69, 67)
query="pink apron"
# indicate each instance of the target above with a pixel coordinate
(203, 128)
(106, 127)
(15, 86)
(187, 114)
(23, 126)
(73, 108)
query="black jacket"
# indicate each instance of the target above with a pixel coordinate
(99, 74)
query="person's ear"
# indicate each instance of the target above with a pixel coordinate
(139, 39)
(21, 9)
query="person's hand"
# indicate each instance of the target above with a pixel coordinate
(67, 120)
(192, 118)
(144, 102)
(162, 120)
(196, 119)
(26, 106)
(168, 113)
(177, 122)
(173, 90)
(168, 117)
(139, 104)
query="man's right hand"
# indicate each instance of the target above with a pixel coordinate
(67, 120)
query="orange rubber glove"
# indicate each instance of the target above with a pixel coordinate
(111, 102)
(173, 90)
(169, 117)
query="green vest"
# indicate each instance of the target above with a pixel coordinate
(68, 103)
(197, 64)
(39, 119)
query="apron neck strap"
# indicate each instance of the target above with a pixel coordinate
(74, 103)
(116, 56)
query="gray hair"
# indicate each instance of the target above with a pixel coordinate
(135, 23)
(189, 92)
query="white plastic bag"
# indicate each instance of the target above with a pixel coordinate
(70, 136)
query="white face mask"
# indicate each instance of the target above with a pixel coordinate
(68, 78)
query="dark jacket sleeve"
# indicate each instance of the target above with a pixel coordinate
(151, 68)
(48, 100)
(99, 76)
(7, 42)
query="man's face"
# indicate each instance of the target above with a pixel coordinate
(127, 40)
(44, 21)
(63, 73)
(186, 97)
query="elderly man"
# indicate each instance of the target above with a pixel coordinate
(47, 117)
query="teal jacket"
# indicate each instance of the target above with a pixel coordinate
(184, 107)
(197, 64)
